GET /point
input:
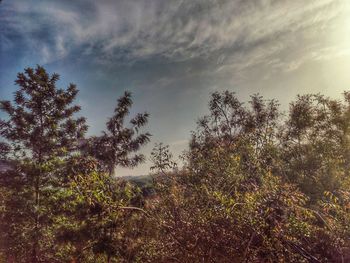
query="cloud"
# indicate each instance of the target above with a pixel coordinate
(235, 34)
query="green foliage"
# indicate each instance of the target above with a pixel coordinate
(316, 144)
(243, 195)
(161, 158)
(117, 144)
(40, 128)
(256, 186)
(95, 217)
(40, 123)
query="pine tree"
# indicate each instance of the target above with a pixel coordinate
(119, 144)
(40, 128)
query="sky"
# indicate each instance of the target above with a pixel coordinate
(171, 54)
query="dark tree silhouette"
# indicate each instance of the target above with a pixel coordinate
(162, 158)
(119, 144)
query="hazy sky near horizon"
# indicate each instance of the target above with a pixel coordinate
(172, 54)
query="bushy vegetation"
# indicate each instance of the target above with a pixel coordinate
(256, 185)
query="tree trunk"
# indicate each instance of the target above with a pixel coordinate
(35, 257)
(36, 229)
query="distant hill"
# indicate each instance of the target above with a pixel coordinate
(144, 182)
(140, 180)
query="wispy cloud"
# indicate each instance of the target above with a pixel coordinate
(180, 30)
(247, 32)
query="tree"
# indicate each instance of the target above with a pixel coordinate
(40, 129)
(118, 146)
(248, 132)
(315, 144)
(244, 195)
(162, 158)
(256, 186)
(97, 222)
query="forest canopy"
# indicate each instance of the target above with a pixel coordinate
(256, 184)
